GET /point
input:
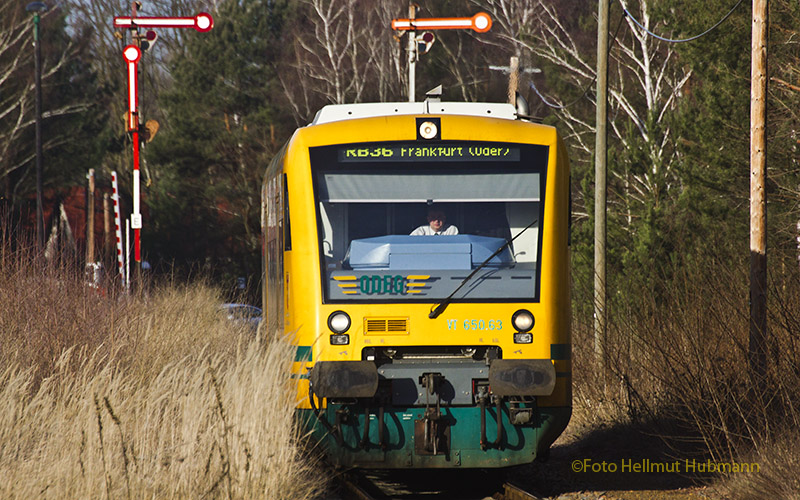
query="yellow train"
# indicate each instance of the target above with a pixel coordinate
(418, 256)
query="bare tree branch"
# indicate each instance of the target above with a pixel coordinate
(345, 53)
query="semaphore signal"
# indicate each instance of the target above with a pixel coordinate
(480, 23)
(202, 22)
(132, 54)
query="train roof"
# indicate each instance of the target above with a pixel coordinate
(340, 112)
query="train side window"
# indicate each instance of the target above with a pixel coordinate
(287, 227)
(520, 215)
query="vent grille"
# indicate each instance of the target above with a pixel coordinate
(386, 326)
(396, 325)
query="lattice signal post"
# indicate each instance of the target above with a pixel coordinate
(202, 22)
(480, 22)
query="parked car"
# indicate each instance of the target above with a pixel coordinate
(243, 313)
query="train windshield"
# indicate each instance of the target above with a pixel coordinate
(405, 221)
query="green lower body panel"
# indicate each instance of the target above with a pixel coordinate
(458, 444)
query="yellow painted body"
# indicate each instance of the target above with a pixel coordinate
(296, 307)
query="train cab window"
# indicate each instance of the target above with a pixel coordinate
(367, 210)
(287, 237)
(367, 219)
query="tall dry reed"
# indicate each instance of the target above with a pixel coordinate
(104, 395)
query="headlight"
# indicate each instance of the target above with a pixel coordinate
(340, 339)
(523, 338)
(522, 320)
(428, 130)
(339, 322)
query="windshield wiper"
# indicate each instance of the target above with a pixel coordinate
(439, 308)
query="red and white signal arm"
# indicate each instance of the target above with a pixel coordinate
(202, 22)
(480, 22)
(132, 54)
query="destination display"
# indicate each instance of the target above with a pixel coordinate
(466, 151)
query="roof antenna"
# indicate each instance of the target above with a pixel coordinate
(523, 110)
(433, 95)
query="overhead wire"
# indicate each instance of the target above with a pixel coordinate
(613, 39)
(670, 40)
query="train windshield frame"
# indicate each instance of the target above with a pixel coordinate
(370, 197)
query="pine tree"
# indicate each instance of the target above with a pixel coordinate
(223, 123)
(713, 124)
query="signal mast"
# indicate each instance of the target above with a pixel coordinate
(132, 54)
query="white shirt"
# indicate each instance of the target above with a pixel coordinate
(427, 231)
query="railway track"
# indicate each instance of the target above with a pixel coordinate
(426, 484)
(513, 492)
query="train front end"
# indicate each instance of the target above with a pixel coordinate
(446, 350)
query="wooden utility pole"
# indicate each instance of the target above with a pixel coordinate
(90, 219)
(108, 242)
(37, 8)
(758, 199)
(412, 53)
(600, 157)
(513, 80)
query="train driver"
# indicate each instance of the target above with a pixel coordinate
(437, 224)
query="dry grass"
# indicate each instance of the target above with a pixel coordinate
(109, 396)
(777, 478)
(677, 362)
(104, 395)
